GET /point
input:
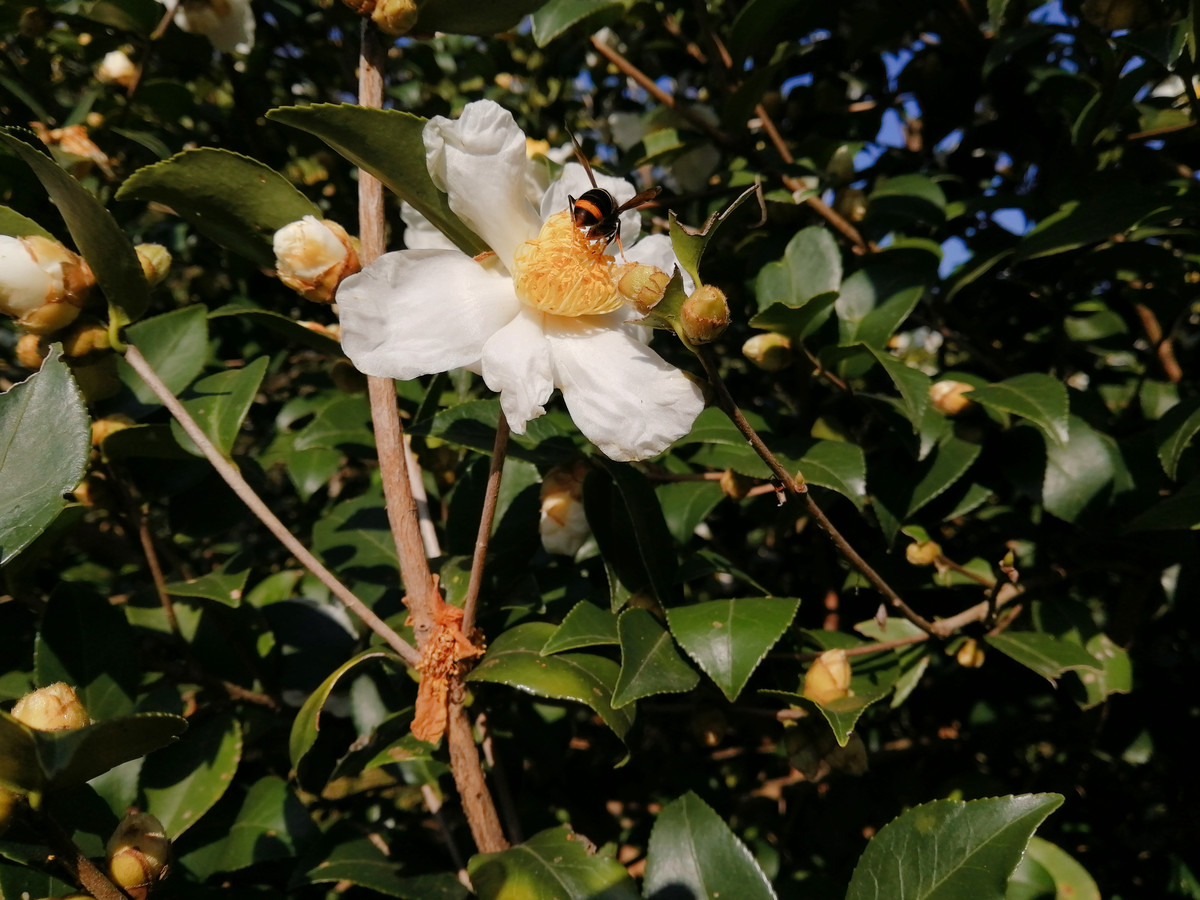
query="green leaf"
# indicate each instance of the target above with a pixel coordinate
(550, 20)
(949, 850)
(1071, 880)
(219, 403)
(87, 642)
(14, 224)
(650, 663)
(44, 441)
(949, 463)
(912, 384)
(1078, 471)
(586, 625)
(387, 144)
(307, 724)
(514, 658)
(348, 855)
(1104, 210)
(1039, 398)
(692, 853)
(182, 782)
(231, 199)
(175, 345)
(471, 17)
(836, 465)
(1174, 433)
(224, 584)
(554, 863)
(903, 199)
(874, 301)
(288, 327)
(97, 236)
(20, 769)
(70, 758)
(685, 504)
(1179, 511)
(729, 638)
(1044, 653)
(689, 243)
(811, 268)
(1115, 675)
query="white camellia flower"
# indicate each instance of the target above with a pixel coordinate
(539, 312)
(228, 24)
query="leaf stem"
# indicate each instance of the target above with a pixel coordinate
(471, 603)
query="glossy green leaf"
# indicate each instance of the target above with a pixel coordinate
(346, 419)
(514, 658)
(836, 465)
(1174, 433)
(293, 331)
(98, 238)
(175, 345)
(1179, 511)
(1077, 472)
(692, 853)
(1030, 881)
(949, 463)
(14, 224)
(388, 144)
(1037, 397)
(650, 664)
(44, 441)
(1071, 880)
(22, 881)
(551, 20)
(895, 202)
(811, 268)
(69, 758)
(554, 863)
(948, 850)
(912, 384)
(1115, 675)
(354, 535)
(798, 322)
(225, 584)
(685, 504)
(689, 243)
(182, 782)
(219, 403)
(729, 638)
(586, 625)
(1104, 210)
(469, 17)
(347, 855)
(873, 302)
(231, 199)
(1043, 653)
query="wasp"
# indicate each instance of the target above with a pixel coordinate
(597, 209)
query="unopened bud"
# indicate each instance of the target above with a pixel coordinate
(770, 351)
(42, 283)
(395, 17)
(948, 396)
(52, 708)
(705, 315)
(735, 484)
(156, 262)
(970, 655)
(117, 68)
(851, 205)
(139, 854)
(564, 526)
(313, 255)
(31, 350)
(828, 678)
(109, 425)
(641, 284)
(85, 338)
(923, 553)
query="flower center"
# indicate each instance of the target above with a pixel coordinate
(563, 273)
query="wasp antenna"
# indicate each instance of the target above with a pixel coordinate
(583, 160)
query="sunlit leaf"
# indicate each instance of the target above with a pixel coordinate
(650, 664)
(219, 403)
(586, 625)
(1044, 653)
(1039, 398)
(555, 863)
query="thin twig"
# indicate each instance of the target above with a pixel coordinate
(429, 538)
(471, 603)
(82, 870)
(245, 493)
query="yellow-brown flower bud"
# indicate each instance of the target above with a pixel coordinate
(851, 205)
(735, 485)
(55, 707)
(923, 553)
(828, 678)
(156, 262)
(43, 285)
(117, 68)
(31, 350)
(313, 255)
(705, 315)
(970, 655)
(85, 338)
(770, 351)
(139, 854)
(395, 17)
(948, 396)
(109, 425)
(564, 526)
(641, 284)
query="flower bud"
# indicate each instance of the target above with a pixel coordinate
(642, 285)
(395, 17)
(155, 260)
(117, 68)
(770, 351)
(109, 425)
(313, 255)
(735, 485)
(970, 655)
(828, 678)
(55, 707)
(139, 854)
(947, 396)
(31, 350)
(43, 285)
(85, 338)
(851, 205)
(564, 526)
(705, 315)
(923, 553)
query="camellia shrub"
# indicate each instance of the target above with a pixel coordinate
(598, 449)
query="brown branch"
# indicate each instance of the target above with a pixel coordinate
(468, 779)
(81, 869)
(475, 582)
(232, 477)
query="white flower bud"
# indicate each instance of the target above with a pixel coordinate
(313, 255)
(117, 68)
(564, 526)
(43, 285)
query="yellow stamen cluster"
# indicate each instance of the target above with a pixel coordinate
(563, 273)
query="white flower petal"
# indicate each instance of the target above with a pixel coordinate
(416, 312)
(479, 160)
(621, 394)
(420, 233)
(574, 182)
(516, 362)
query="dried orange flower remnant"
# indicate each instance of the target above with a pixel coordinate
(443, 654)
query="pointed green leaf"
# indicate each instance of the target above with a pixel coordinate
(949, 463)
(903, 199)
(69, 758)
(224, 584)
(586, 625)
(1039, 398)
(1179, 511)
(182, 782)
(14, 224)
(554, 863)
(471, 17)
(685, 504)
(175, 345)
(44, 442)
(348, 855)
(1115, 675)
(874, 301)
(1174, 433)
(912, 384)
(388, 144)
(98, 238)
(692, 853)
(219, 403)
(837, 465)
(1044, 653)
(729, 638)
(1070, 880)
(811, 268)
(649, 662)
(231, 199)
(514, 658)
(552, 19)
(292, 330)
(1077, 471)
(948, 850)
(689, 243)
(1104, 210)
